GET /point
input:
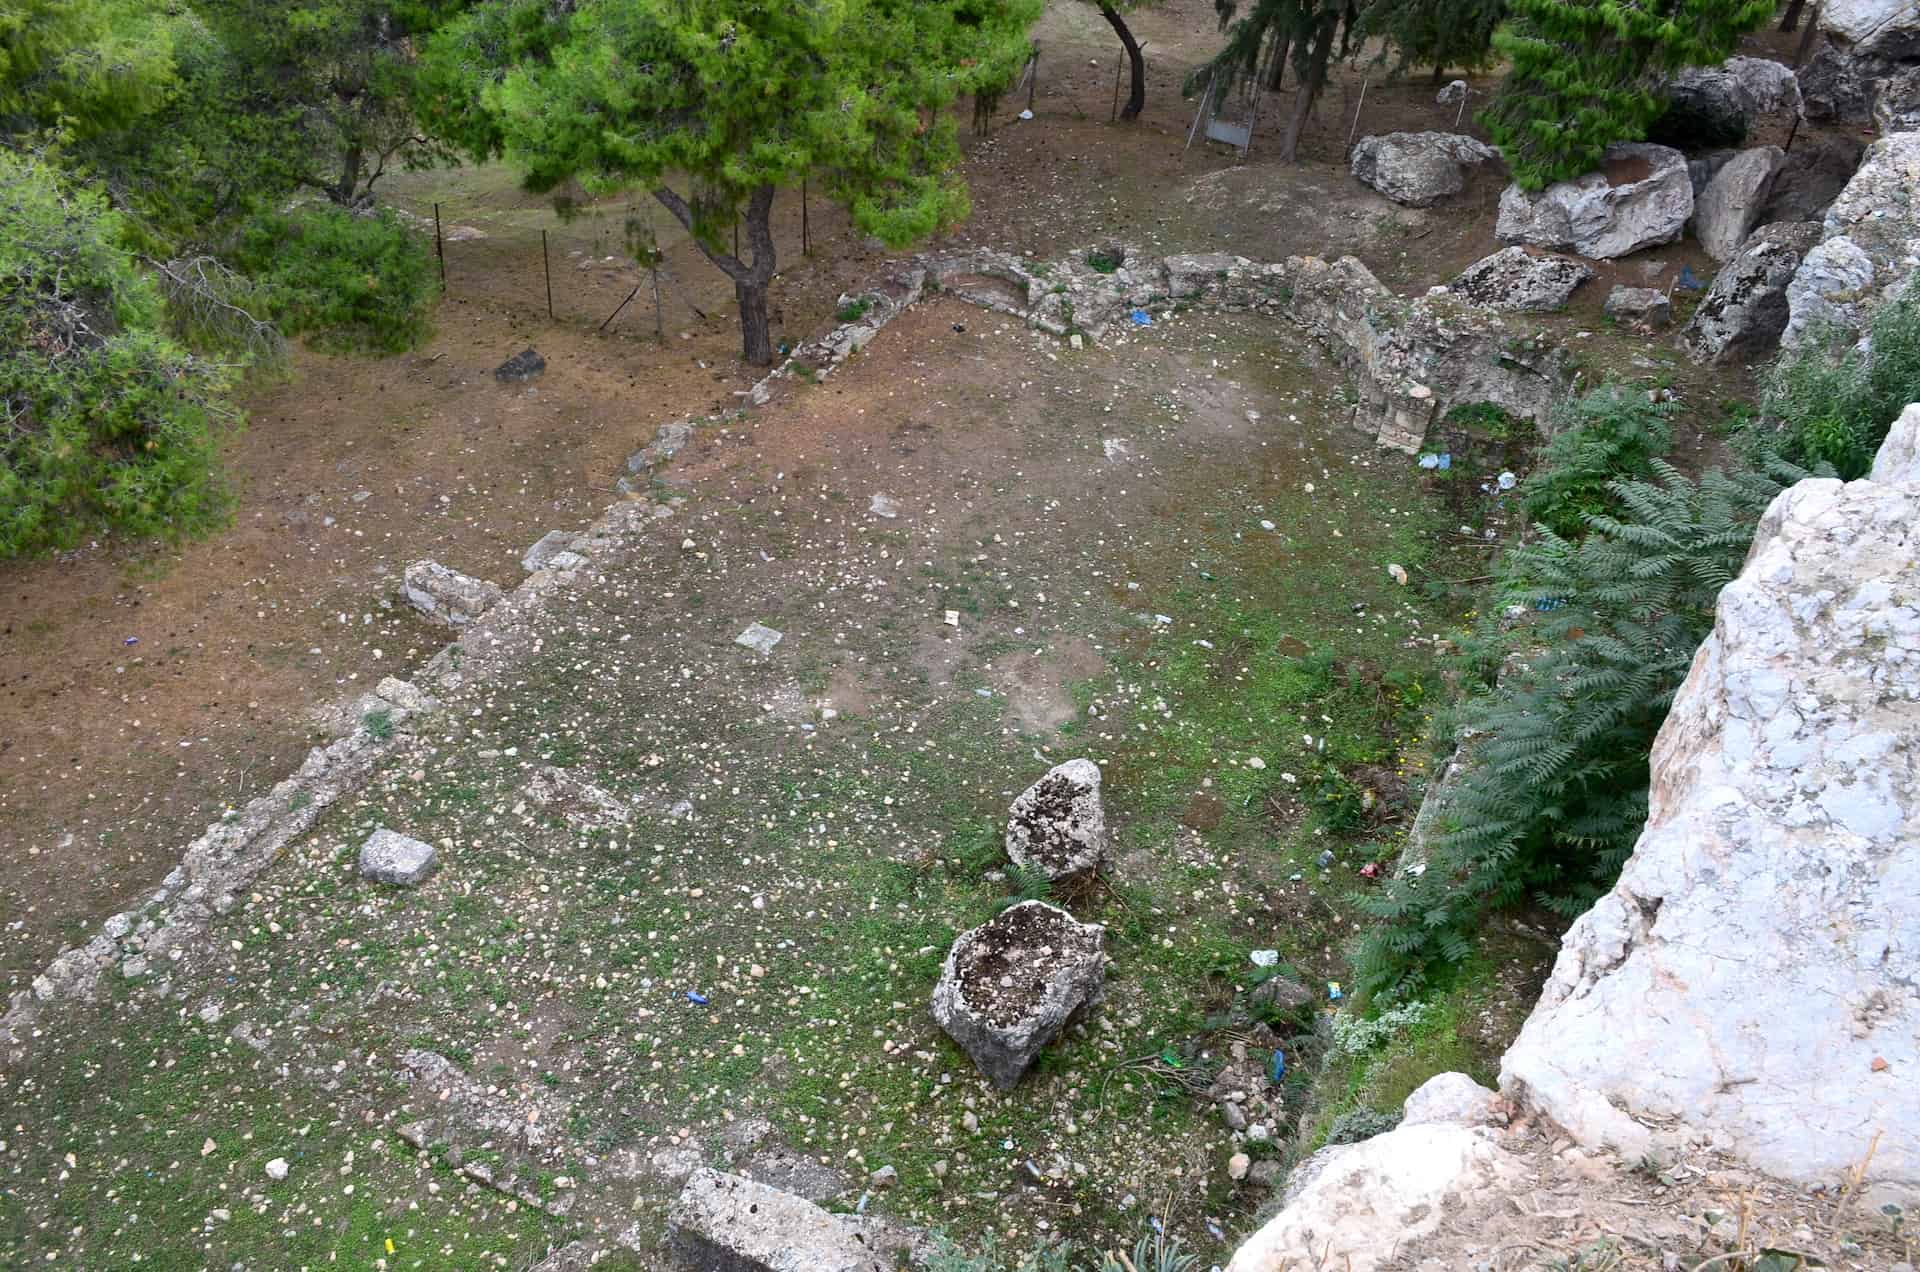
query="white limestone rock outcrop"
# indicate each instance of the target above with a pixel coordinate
(1359, 1206)
(1418, 169)
(1742, 88)
(1641, 197)
(1753, 980)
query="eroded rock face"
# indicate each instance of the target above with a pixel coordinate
(1816, 170)
(1642, 197)
(1360, 1205)
(1744, 312)
(1731, 205)
(1058, 825)
(1518, 279)
(1010, 985)
(1418, 169)
(1888, 27)
(447, 595)
(1752, 975)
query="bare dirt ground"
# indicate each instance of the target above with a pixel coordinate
(147, 687)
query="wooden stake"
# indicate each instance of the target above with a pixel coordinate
(1360, 106)
(1118, 66)
(616, 312)
(438, 249)
(806, 244)
(1033, 77)
(546, 267)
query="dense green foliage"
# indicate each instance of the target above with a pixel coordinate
(105, 422)
(83, 66)
(1436, 33)
(1611, 434)
(1552, 793)
(738, 98)
(348, 281)
(1833, 406)
(1584, 73)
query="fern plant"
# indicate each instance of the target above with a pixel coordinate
(1610, 434)
(1555, 789)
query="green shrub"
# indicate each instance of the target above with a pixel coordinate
(106, 424)
(1555, 787)
(1610, 434)
(1829, 407)
(1360, 1124)
(853, 310)
(347, 281)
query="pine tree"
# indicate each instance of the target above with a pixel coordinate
(734, 99)
(1584, 72)
(1271, 33)
(1442, 34)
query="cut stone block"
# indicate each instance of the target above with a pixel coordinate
(759, 638)
(390, 857)
(447, 595)
(727, 1223)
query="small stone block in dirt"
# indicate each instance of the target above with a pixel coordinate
(759, 638)
(726, 1223)
(1640, 306)
(1010, 985)
(553, 545)
(390, 857)
(1058, 825)
(447, 595)
(520, 368)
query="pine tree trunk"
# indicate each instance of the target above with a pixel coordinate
(750, 281)
(1137, 96)
(1310, 85)
(1285, 43)
(756, 334)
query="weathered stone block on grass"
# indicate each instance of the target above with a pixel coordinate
(727, 1223)
(1058, 824)
(1010, 985)
(390, 857)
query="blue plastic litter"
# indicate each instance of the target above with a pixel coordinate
(1141, 318)
(1545, 603)
(1279, 1069)
(1431, 461)
(132, 640)
(1333, 992)
(697, 998)
(1688, 280)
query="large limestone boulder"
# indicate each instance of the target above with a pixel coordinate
(1751, 978)
(1360, 1206)
(1009, 986)
(1058, 825)
(1418, 169)
(1896, 101)
(1640, 198)
(1816, 170)
(1887, 27)
(1725, 100)
(1829, 294)
(728, 1223)
(1522, 280)
(1731, 205)
(1742, 315)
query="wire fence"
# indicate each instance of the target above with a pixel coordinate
(623, 264)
